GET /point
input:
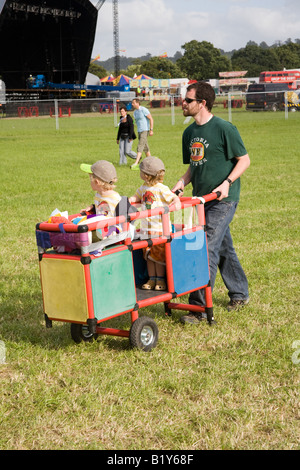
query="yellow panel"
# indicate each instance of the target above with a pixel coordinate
(64, 290)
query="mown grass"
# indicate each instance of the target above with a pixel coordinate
(231, 386)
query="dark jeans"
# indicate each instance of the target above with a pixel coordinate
(222, 254)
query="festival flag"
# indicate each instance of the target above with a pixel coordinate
(96, 58)
(122, 50)
(164, 54)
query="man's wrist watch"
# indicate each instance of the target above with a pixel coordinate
(229, 181)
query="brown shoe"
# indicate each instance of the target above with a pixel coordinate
(193, 318)
(236, 304)
(161, 285)
(149, 285)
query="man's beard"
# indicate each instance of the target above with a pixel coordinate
(186, 112)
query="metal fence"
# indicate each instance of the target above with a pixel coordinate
(287, 101)
(263, 101)
(66, 108)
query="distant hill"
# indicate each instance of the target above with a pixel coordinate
(109, 64)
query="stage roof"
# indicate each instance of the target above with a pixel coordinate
(50, 37)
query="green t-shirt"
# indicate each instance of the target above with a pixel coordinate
(210, 150)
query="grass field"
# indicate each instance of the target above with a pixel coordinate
(231, 386)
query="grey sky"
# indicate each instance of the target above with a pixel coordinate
(158, 26)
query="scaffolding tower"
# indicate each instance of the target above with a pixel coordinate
(115, 32)
(116, 36)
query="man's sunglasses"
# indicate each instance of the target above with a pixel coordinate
(190, 100)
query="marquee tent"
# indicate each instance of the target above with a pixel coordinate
(107, 79)
(143, 77)
(122, 80)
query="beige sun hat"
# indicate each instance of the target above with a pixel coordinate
(152, 165)
(103, 169)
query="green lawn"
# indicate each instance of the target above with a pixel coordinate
(231, 386)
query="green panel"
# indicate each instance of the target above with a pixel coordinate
(113, 284)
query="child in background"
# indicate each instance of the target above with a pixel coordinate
(103, 177)
(153, 193)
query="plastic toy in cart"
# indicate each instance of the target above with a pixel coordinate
(64, 242)
(92, 269)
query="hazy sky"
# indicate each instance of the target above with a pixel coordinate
(158, 26)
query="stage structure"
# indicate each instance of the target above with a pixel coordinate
(50, 37)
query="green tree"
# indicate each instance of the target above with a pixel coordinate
(201, 60)
(159, 67)
(264, 45)
(255, 59)
(132, 70)
(289, 55)
(97, 70)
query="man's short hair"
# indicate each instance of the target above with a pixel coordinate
(204, 91)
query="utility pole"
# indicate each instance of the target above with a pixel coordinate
(116, 36)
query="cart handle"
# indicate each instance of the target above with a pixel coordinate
(211, 196)
(203, 199)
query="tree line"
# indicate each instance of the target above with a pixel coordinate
(202, 61)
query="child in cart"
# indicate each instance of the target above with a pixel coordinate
(108, 203)
(153, 193)
(103, 177)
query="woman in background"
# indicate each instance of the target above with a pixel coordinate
(125, 136)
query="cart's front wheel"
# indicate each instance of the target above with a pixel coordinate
(143, 334)
(81, 333)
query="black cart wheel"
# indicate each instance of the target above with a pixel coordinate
(81, 333)
(143, 334)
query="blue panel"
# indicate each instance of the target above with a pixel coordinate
(190, 262)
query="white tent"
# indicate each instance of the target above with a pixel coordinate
(92, 79)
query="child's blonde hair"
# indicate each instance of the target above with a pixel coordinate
(152, 180)
(106, 186)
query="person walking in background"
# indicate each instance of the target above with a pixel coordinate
(125, 136)
(144, 122)
(217, 158)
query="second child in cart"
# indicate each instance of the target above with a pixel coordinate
(153, 193)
